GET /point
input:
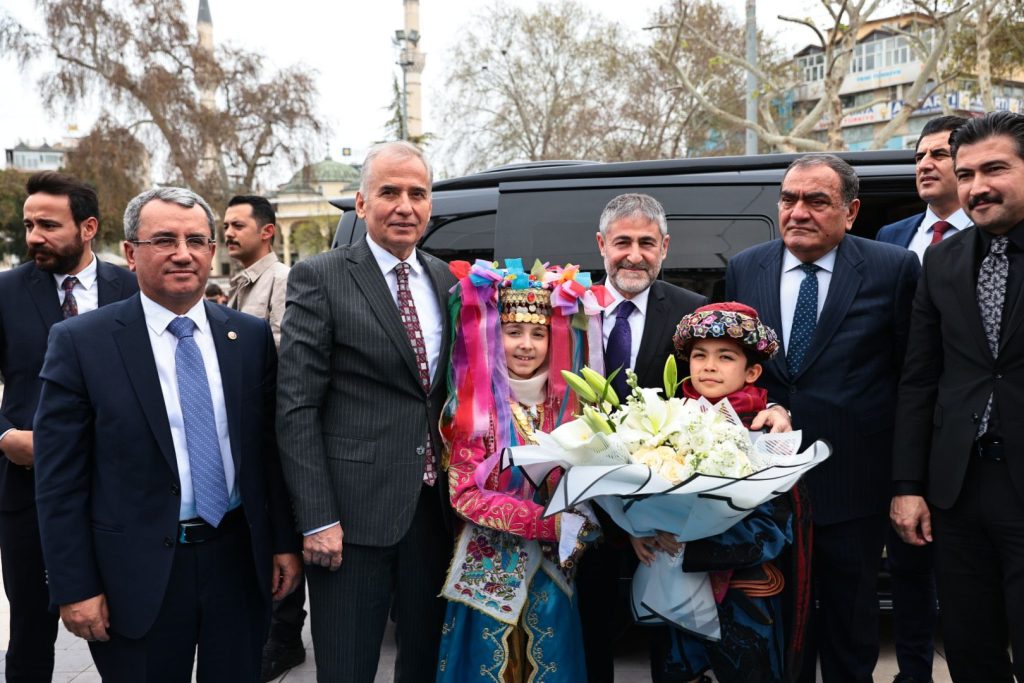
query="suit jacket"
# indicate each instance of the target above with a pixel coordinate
(950, 373)
(29, 306)
(352, 416)
(846, 391)
(107, 485)
(900, 232)
(666, 305)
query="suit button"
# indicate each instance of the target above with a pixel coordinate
(175, 490)
(999, 376)
(168, 543)
(792, 390)
(975, 417)
(421, 450)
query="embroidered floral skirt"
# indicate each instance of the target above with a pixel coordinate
(546, 645)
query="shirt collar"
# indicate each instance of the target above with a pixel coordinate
(639, 300)
(826, 262)
(253, 272)
(86, 276)
(158, 317)
(958, 219)
(387, 261)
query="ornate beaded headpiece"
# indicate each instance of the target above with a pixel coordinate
(730, 320)
(531, 305)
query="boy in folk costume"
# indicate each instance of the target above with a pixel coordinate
(725, 345)
(512, 614)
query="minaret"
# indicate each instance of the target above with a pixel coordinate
(204, 27)
(415, 59)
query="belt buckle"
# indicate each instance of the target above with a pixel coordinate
(183, 531)
(991, 450)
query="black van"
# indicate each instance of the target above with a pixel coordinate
(716, 207)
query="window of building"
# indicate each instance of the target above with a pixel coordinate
(812, 66)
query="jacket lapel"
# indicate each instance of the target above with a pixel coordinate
(658, 326)
(43, 291)
(132, 341)
(370, 280)
(437, 271)
(769, 281)
(229, 359)
(842, 289)
(109, 283)
(960, 260)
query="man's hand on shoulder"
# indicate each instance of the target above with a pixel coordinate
(17, 446)
(912, 519)
(87, 619)
(323, 548)
(287, 574)
(776, 419)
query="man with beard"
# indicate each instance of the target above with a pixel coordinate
(958, 476)
(63, 278)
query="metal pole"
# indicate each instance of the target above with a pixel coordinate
(405, 98)
(751, 147)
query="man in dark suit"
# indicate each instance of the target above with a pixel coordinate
(936, 185)
(364, 357)
(842, 306)
(163, 513)
(913, 585)
(62, 279)
(957, 471)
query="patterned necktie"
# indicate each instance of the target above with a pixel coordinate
(620, 348)
(411, 321)
(939, 229)
(805, 318)
(991, 292)
(70, 307)
(204, 458)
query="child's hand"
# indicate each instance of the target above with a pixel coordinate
(668, 543)
(644, 548)
(776, 419)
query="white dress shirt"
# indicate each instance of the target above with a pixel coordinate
(86, 290)
(423, 295)
(789, 288)
(922, 238)
(636, 319)
(164, 345)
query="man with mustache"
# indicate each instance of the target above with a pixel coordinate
(62, 278)
(259, 289)
(913, 586)
(842, 304)
(958, 476)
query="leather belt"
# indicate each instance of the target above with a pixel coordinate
(990, 449)
(197, 530)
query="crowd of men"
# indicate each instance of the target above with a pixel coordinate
(175, 467)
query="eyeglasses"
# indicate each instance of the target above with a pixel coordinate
(194, 243)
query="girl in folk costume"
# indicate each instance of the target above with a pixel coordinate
(512, 614)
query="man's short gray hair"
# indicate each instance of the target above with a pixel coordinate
(634, 204)
(849, 183)
(175, 195)
(400, 148)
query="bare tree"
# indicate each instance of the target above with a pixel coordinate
(142, 58)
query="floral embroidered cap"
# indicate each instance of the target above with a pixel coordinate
(730, 320)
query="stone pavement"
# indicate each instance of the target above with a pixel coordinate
(73, 662)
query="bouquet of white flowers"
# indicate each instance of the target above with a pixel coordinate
(665, 464)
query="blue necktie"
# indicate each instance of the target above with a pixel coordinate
(208, 481)
(805, 317)
(620, 346)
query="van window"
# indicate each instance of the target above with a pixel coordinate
(465, 239)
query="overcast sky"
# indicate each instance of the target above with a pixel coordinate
(348, 43)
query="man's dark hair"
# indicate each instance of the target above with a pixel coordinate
(849, 183)
(988, 126)
(938, 125)
(81, 196)
(262, 210)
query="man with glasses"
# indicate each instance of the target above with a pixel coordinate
(842, 304)
(164, 519)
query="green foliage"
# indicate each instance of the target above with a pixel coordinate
(12, 202)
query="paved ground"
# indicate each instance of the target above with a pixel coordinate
(73, 662)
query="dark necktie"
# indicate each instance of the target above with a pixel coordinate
(70, 307)
(204, 458)
(411, 321)
(805, 318)
(991, 294)
(939, 229)
(620, 347)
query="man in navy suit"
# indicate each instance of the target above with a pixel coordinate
(913, 585)
(842, 306)
(62, 278)
(162, 509)
(936, 185)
